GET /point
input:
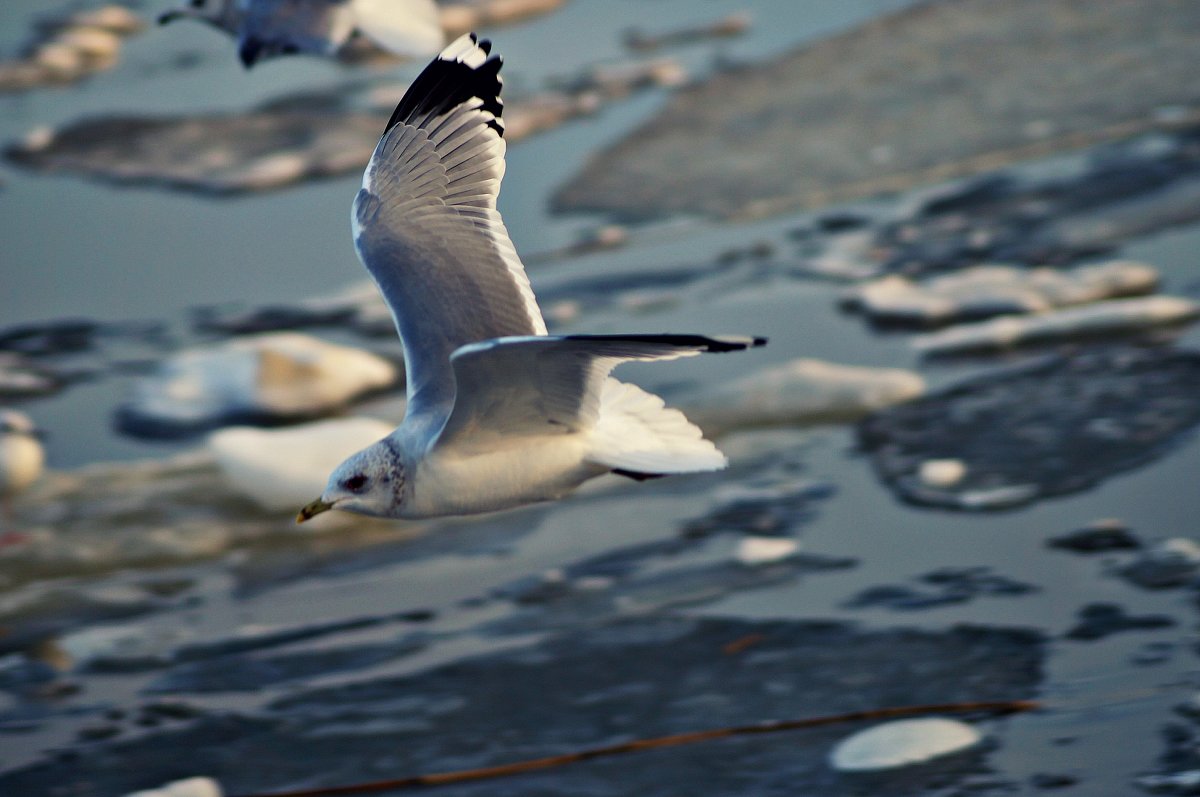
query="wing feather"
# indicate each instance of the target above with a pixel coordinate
(426, 224)
(545, 385)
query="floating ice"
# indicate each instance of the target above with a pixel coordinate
(996, 290)
(1099, 620)
(114, 646)
(942, 472)
(462, 16)
(802, 391)
(271, 377)
(1186, 782)
(734, 24)
(902, 743)
(1105, 534)
(20, 377)
(1053, 425)
(71, 48)
(279, 143)
(764, 550)
(1116, 317)
(1170, 563)
(191, 787)
(281, 469)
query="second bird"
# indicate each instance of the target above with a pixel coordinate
(271, 28)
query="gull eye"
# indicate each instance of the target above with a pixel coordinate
(197, 3)
(355, 483)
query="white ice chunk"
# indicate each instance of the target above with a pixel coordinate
(942, 472)
(995, 290)
(802, 391)
(281, 469)
(764, 550)
(191, 787)
(902, 743)
(1119, 316)
(280, 375)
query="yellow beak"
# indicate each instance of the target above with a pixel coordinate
(312, 510)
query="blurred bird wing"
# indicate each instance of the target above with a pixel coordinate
(309, 26)
(403, 27)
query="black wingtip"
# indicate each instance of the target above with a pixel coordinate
(704, 343)
(720, 345)
(448, 82)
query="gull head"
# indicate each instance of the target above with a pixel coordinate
(370, 482)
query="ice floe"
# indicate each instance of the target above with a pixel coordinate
(114, 647)
(461, 16)
(21, 377)
(1173, 562)
(942, 472)
(1053, 425)
(1099, 620)
(824, 150)
(985, 291)
(189, 787)
(266, 378)
(759, 511)
(942, 587)
(1105, 534)
(1103, 319)
(253, 150)
(801, 391)
(754, 551)
(282, 469)
(291, 139)
(69, 48)
(1184, 782)
(142, 514)
(730, 25)
(903, 743)
(22, 459)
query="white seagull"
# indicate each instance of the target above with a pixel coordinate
(21, 458)
(270, 28)
(499, 413)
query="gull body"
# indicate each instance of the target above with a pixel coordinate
(21, 457)
(452, 481)
(270, 28)
(499, 413)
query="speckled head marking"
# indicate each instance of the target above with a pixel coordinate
(371, 482)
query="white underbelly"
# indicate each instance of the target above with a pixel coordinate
(529, 471)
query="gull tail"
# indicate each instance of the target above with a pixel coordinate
(637, 435)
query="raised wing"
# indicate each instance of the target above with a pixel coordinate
(513, 387)
(427, 228)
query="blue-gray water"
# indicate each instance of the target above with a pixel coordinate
(77, 248)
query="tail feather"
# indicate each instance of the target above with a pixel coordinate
(637, 433)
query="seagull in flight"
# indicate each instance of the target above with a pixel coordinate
(271, 28)
(499, 413)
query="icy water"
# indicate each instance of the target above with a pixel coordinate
(469, 594)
